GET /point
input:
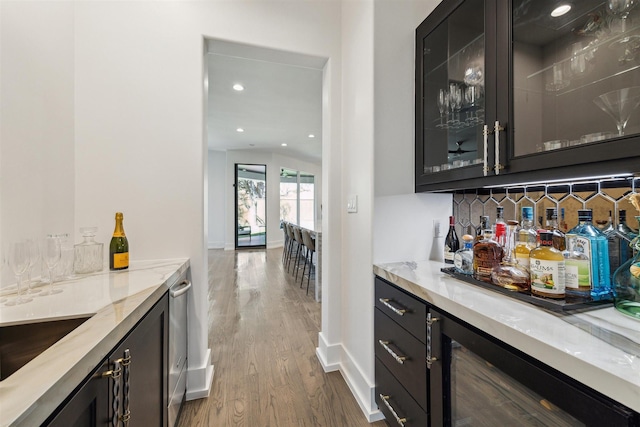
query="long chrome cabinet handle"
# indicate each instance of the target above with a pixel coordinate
(399, 420)
(126, 411)
(496, 131)
(385, 345)
(430, 321)
(398, 311)
(485, 162)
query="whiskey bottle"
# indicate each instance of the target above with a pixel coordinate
(547, 267)
(483, 229)
(527, 237)
(500, 227)
(552, 226)
(487, 254)
(509, 274)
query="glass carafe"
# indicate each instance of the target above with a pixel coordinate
(89, 253)
(626, 283)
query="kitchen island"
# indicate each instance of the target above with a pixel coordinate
(598, 348)
(114, 303)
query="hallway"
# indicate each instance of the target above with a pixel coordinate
(263, 331)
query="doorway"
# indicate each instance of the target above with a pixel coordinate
(251, 205)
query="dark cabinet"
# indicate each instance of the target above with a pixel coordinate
(130, 386)
(455, 374)
(515, 91)
(401, 372)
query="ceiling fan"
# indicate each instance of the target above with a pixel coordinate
(459, 150)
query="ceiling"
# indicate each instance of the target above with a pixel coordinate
(281, 102)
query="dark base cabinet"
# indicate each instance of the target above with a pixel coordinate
(130, 387)
(473, 379)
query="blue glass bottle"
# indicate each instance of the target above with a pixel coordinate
(594, 244)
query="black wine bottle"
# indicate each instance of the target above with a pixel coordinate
(119, 247)
(451, 243)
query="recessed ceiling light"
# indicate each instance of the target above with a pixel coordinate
(284, 144)
(239, 130)
(561, 9)
(238, 87)
(311, 135)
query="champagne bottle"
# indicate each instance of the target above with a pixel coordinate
(119, 247)
(451, 242)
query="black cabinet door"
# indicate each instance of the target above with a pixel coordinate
(478, 380)
(143, 389)
(89, 405)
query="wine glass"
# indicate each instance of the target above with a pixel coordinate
(51, 255)
(19, 261)
(443, 105)
(34, 258)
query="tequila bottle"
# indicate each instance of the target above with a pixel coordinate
(527, 237)
(577, 269)
(547, 267)
(463, 258)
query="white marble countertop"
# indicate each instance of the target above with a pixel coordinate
(600, 348)
(115, 300)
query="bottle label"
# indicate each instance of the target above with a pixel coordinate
(457, 260)
(547, 276)
(448, 255)
(121, 260)
(583, 245)
(577, 275)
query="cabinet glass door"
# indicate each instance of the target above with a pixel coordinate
(576, 73)
(453, 89)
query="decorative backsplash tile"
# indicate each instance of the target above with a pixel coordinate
(602, 196)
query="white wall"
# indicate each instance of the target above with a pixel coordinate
(37, 122)
(216, 200)
(274, 162)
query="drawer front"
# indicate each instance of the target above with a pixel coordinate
(407, 311)
(396, 399)
(403, 355)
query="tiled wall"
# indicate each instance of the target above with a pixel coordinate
(601, 196)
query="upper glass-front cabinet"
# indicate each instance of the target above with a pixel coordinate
(576, 73)
(454, 94)
(517, 86)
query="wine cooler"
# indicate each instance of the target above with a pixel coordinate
(477, 380)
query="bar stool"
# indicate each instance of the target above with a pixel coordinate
(310, 245)
(300, 245)
(285, 245)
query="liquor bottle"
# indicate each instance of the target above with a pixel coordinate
(451, 242)
(487, 254)
(547, 269)
(595, 246)
(483, 229)
(463, 258)
(500, 226)
(563, 223)
(552, 226)
(509, 274)
(577, 269)
(527, 237)
(119, 247)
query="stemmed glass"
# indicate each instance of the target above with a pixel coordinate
(51, 255)
(619, 104)
(34, 257)
(19, 261)
(455, 101)
(443, 105)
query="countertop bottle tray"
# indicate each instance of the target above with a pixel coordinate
(571, 304)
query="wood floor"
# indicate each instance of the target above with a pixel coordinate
(263, 332)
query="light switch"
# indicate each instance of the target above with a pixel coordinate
(352, 203)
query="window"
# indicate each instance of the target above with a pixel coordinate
(297, 197)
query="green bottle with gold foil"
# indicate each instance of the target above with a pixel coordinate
(119, 247)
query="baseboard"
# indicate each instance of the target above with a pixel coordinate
(215, 245)
(335, 358)
(200, 379)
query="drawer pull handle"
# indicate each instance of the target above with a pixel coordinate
(385, 345)
(430, 321)
(398, 311)
(385, 399)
